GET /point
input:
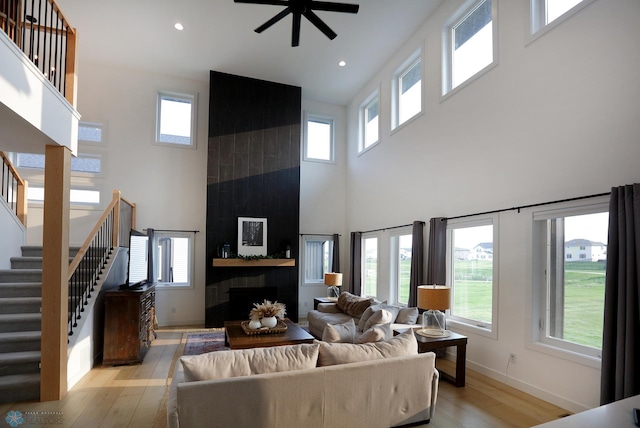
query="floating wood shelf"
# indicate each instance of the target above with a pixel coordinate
(254, 263)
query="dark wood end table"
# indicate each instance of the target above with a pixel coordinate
(428, 344)
(318, 300)
(236, 338)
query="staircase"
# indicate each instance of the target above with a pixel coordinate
(20, 318)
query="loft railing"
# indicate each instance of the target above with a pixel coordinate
(13, 189)
(39, 28)
(110, 231)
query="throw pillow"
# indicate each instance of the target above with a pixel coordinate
(379, 316)
(246, 362)
(343, 333)
(407, 316)
(343, 353)
(376, 333)
(353, 305)
(392, 309)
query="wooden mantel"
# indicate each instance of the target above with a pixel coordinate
(254, 263)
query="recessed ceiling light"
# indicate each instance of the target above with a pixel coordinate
(342, 63)
(178, 26)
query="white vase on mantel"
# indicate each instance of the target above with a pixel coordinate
(269, 322)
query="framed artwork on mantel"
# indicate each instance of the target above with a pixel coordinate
(252, 236)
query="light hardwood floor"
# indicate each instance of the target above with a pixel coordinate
(134, 396)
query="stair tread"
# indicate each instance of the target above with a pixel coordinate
(20, 317)
(20, 380)
(11, 336)
(19, 357)
(18, 300)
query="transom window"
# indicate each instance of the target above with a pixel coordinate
(176, 119)
(547, 13)
(407, 89)
(319, 144)
(369, 122)
(472, 255)
(469, 43)
(90, 132)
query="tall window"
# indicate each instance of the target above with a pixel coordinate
(319, 140)
(469, 44)
(174, 262)
(176, 119)
(401, 251)
(369, 123)
(316, 258)
(546, 12)
(407, 89)
(369, 265)
(569, 277)
(471, 272)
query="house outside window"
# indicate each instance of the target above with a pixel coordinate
(568, 283)
(472, 273)
(319, 142)
(317, 256)
(176, 119)
(470, 43)
(407, 90)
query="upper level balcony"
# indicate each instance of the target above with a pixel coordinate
(37, 77)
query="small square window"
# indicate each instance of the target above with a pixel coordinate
(319, 144)
(173, 259)
(90, 132)
(175, 121)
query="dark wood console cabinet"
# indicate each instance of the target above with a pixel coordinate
(128, 324)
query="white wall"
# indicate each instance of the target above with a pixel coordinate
(323, 198)
(557, 118)
(13, 235)
(168, 184)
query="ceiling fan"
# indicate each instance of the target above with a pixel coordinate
(299, 8)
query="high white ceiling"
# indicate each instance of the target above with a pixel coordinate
(218, 35)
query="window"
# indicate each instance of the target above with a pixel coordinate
(317, 258)
(472, 250)
(545, 14)
(176, 119)
(369, 123)
(407, 90)
(369, 265)
(319, 145)
(469, 44)
(77, 196)
(90, 164)
(90, 132)
(570, 248)
(173, 266)
(401, 251)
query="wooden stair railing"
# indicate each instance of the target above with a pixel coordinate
(110, 231)
(13, 189)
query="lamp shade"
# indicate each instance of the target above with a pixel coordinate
(332, 279)
(434, 297)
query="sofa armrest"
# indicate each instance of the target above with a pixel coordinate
(329, 308)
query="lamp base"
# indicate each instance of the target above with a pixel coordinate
(429, 332)
(333, 291)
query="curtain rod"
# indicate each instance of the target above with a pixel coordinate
(173, 230)
(389, 228)
(320, 234)
(529, 206)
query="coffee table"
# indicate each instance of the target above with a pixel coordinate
(236, 338)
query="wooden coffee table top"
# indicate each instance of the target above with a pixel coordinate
(236, 338)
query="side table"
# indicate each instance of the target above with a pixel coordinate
(318, 300)
(428, 344)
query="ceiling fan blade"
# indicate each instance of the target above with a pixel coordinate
(334, 7)
(295, 29)
(315, 20)
(272, 2)
(273, 20)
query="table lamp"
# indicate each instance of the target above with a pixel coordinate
(333, 280)
(435, 299)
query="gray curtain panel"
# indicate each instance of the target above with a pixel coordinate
(417, 261)
(621, 334)
(335, 261)
(437, 257)
(355, 278)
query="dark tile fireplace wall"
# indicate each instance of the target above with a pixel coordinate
(253, 170)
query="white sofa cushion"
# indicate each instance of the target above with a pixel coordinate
(376, 333)
(342, 353)
(343, 333)
(246, 362)
(407, 316)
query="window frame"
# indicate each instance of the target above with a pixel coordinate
(537, 17)
(193, 101)
(416, 57)
(466, 324)
(538, 340)
(362, 125)
(190, 284)
(395, 261)
(306, 282)
(313, 117)
(97, 125)
(447, 47)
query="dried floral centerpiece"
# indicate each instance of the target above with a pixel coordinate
(266, 309)
(264, 318)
